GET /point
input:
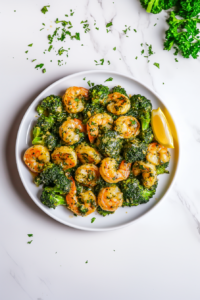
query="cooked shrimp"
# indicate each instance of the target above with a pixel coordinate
(148, 173)
(74, 98)
(157, 154)
(127, 126)
(87, 175)
(35, 157)
(65, 157)
(110, 198)
(70, 131)
(109, 172)
(84, 204)
(119, 104)
(87, 154)
(99, 120)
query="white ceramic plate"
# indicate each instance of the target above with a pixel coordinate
(123, 216)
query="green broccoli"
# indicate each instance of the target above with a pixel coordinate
(99, 94)
(104, 213)
(142, 107)
(109, 143)
(188, 8)
(134, 193)
(146, 135)
(63, 183)
(183, 33)
(53, 105)
(92, 109)
(45, 123)
(51, 197)
(161, 169)
(120, 90)
(134, 150)
(44, 138)
(49, 175)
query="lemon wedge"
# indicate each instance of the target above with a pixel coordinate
(161, 128)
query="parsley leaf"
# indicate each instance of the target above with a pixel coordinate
(39, 66)
(109, 24)
(61, 51)
(33, 60)
(76, 36)
(101, 60)
(86, 262)
(50, 47)
(114, 48)
(92, 220)
(157, 65)
(30, 45)
(43, 70)
(26, 51)
(109, 79)
(44, 10)
(29, 242)
(30, 234)
(51, 37)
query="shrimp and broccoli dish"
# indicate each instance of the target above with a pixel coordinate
(94, 150)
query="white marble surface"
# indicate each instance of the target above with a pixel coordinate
(155, 258)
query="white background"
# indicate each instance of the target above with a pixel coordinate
(157, 257)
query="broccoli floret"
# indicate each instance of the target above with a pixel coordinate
(142, 107)
(45, 123)
(120, 90)
(92, 109)
(183, 33)
(146, 135)
(189, 8)
(51, 197)
(49, 175)
(161, 169)
(134, 193)
(63, 183)
(44, 138)
(52, 104)
(104, 213)
(109, 143)
(153, 6)
(134, 150)
(99, 94)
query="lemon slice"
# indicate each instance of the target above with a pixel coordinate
(161, 129)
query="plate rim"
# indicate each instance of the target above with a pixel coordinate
(129, 222)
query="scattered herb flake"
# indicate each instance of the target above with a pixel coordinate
(108, 62)
(41, 29)
(157, 65)
(26, 51)
(60, 62)
(86, 262)
(64, 23)
(109, 24)
(51, 37)
(43, 70)
(29, 242)
(96, 28)
(39, 66)
(114, 48)
(61, 51)
(176, 59)
(30, 45)
(150, 50)
(101, 60)
(142, 52)
(76, 36)
(135, 30)
(44, 10)
(136, 57)
(43, 24)
(33, 60)
(50, 47)
(84, 78)
(92, 220)
(109, 79)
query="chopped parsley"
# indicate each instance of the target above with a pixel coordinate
(90, 83)
(71, 12)
(150, 50)
(92, 220)
(60, 62)
(176, 59)
(41, 29)
(176, 51)
(114, 48)
(157, 65)
(127, 29)
(64, 23)
(85, 26)
(86, 262)
(51, 37)
(76, 36)
(84, 78)
(142, 52)
(109, 24)
(108, 62)
(96, 28)
(26, 51)
(109, 79)
(30, 45)
(135, 30)
(136, 57)
(61, 51)
(39, 66)
(101, 62)
(43, 70)
(29, 242)
(50, 47)
(33, 60)
(30, 234)
(43, 24)
(155, 24)
(44, 10)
